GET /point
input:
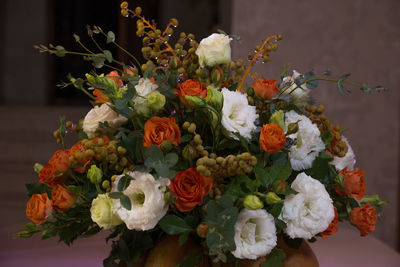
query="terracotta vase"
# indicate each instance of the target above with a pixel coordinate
(168, 253)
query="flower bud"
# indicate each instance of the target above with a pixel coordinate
(292, 128)
(214, 98)
(166, 146)
(250, 91)
(90, 79)
(155, 101)
(189, 152)
(95, 174)
(202, 230)
(278, 118)
(252, 202)
(280, 188)
(173, 62)
(272, 198)
(194, 101)
(217, 75)
(37, 167)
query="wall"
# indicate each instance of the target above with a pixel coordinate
(359, 36)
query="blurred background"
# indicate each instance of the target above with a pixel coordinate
(359, 36)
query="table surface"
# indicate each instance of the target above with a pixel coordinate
(345, 248)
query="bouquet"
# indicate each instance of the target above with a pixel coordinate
(194, 144)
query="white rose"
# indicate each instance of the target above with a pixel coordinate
(214, 50)
(101, 212)
(101, 114)
(349, 160)
(147, 199)
(309, 142)
(299, 94)
(310, 211)
(255, 234)
(237, 115)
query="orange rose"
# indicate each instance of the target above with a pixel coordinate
(265, 88)
(38, 208)
(191, 87)
(332, 228)
(158, 130)
(115, 76)
(364, 218)
(100, 97)
(49, 175)
(354, 183)
(272, 138)
(62, 198)
(190, 187)
(60, 161)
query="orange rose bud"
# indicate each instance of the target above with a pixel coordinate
(190, 187)
(60, 161)
(265, 88)
(354, 183)
(38, 208)
(157, 130)
(50, 176)
(272, 138)
(332, 228)
(364, 218)
(115, 76)
(191, 87)
(62, 198)
(100, 97)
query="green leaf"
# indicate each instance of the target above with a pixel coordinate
(241, 186)
(327, 138)
(161, 169)
(183, 238)
(275, 258)
(171, 159)
(321, 169)
(115, 195)
(233, 87)
(125, 202)
(276, 209)
(108, 55)
(124, 182)
(186, 138)
(311, 84)
(154, 153)
(277, 173)
(38, 188)
(242, 140)
(173, 225)
(340, 83)
(193, 259)
(110, 37)
(292, 242)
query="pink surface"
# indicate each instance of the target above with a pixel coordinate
(344, 249)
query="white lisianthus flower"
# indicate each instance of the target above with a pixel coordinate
(255, 234)
(349, 160)
(310, 211)
(214, 50)
(309, 142)
(143, 89)
(299, 94)
(147, 199)
(102, 213)
(101, 114)
(237, 115)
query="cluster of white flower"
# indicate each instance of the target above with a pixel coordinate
(147, 198)
(308, 212)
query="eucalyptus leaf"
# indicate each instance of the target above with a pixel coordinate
(124, 182)
(115, 195)
(108, 55)
(125, 202)
(171, 159)
(110, 37)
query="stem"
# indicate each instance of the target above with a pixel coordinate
(239, 88)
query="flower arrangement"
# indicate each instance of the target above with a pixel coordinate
(183, 145)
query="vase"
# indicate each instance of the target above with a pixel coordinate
(168, 253)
